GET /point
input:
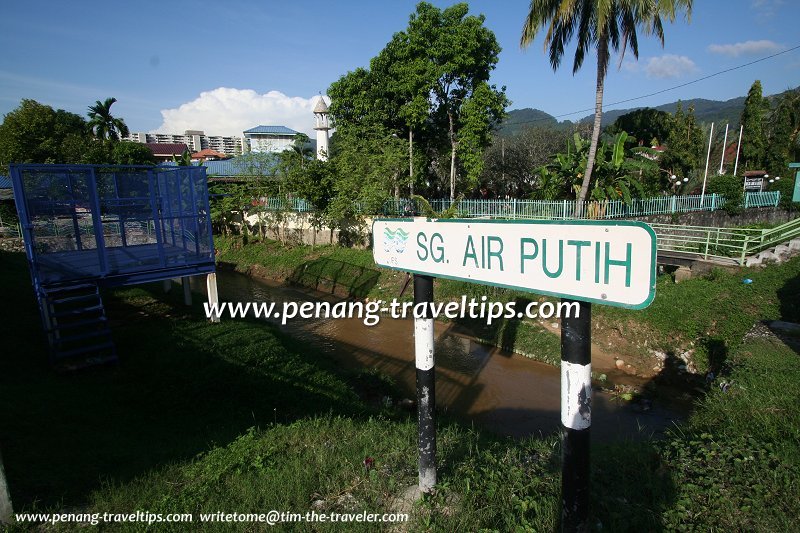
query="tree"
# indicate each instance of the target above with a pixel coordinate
(511, 162)
(779, 150)
(430, 82)
(460, 54)
(643, 125)
(752, 121)
(605, 26)
(35, 133)
(103, 124)
(684, 144)
(132, 153)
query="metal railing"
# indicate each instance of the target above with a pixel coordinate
(734, 244)
(548, 209)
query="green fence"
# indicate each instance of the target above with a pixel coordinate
(727, 244)
(543, 209)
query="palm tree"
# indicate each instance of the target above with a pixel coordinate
(103, 124)
(605, 26)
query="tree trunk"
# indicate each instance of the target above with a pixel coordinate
(411, 160)
(598, 117)
(452, 159)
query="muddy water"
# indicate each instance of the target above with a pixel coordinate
(503, 392)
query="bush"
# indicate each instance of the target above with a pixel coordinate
(731, 188)
(786, 188)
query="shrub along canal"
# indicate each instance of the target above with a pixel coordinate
(503, 392)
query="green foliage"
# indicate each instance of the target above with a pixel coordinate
(643, 125)
(731, 188)
(718, 310)
(603, 26)
(617, 170)
(35, 133)
(132, 153)
(430, 81)
(786, 187)
(685, 143)
(735, 466)
(103, 124)
(8, 213)
(753, 115)
(184, 160)
(779, 149)
(511, 161)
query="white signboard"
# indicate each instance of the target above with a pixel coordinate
(605, 262)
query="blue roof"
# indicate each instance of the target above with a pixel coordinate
(272, 130)
(5, 182)
(238, 166)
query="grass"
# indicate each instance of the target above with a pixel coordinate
(711, 314)
(237, 417)
(736, 464)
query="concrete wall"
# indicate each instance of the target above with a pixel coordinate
(759, 215)
(296, 227)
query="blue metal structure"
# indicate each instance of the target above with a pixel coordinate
(87, 227)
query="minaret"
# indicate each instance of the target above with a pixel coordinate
(322, 127)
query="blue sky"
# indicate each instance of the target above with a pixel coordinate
(225, 66)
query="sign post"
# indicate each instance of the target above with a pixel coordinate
(426, 382)
(576, 417)
(580, 261)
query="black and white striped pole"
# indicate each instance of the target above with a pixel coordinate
(576, 417)
(426, 382)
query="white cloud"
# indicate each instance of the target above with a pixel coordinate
(766, 9)
(227, 111)
(669, 66)
(745, 48)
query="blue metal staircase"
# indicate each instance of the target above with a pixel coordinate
(77, 326)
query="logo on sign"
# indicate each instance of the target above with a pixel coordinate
(394, 240)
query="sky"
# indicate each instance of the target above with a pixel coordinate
(223, 67)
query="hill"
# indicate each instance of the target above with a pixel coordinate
(707, 111)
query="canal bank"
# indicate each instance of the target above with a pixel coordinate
(481, 384)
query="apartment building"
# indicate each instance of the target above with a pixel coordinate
(195, 140)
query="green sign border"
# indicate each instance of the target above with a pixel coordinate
(653, 253)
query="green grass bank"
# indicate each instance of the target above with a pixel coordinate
(235, 416)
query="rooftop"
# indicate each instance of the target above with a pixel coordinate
(272, 130)
(208, 153)
(321, 106)
(167, 149)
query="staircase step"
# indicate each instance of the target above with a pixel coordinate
(69, 288)
(81, 323)
(767, 255)
(71, 366)
(70, 299)
(752, 261)
(79, 311)
(83, 336)
(782, 249)
(84, 350)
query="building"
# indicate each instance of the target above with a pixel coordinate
(269, 138)
(195, 140)
(208, 154)
(166, 151)
(322, 126)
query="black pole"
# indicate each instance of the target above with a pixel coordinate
(576, 417)
(426, 381)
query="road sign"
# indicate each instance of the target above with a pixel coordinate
(606, 262)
